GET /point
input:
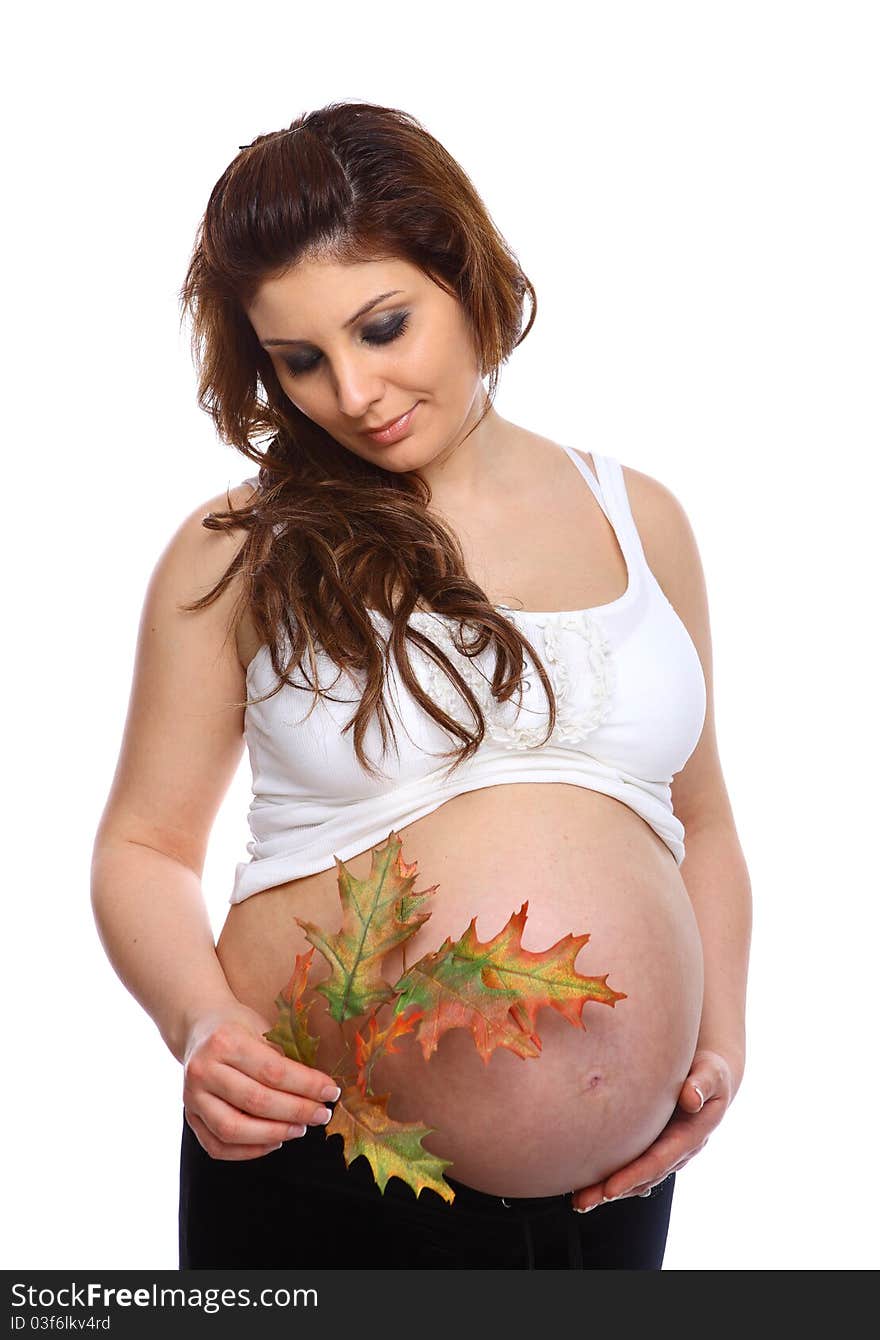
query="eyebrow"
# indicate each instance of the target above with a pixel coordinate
(380, 297)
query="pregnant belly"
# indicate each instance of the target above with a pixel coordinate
(594, 1098)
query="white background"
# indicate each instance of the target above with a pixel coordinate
(693, 189)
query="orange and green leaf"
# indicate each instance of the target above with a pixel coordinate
(379, 913)
(496, 988)
(392, 1148)
(290, 1031)
(367, 1050)
(546, 977)
(452, 992)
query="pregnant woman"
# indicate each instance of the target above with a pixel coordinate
(422, 620)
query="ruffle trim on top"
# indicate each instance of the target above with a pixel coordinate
(573, 721)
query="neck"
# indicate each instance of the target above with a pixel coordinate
(474, 461)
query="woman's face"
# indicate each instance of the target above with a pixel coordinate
(350, 369)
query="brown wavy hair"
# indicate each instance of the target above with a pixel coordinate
(332, 536)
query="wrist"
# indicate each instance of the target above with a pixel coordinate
(178, 1031)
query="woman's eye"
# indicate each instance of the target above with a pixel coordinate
(373, 335)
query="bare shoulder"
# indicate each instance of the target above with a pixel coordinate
(210, 547)
(663, 525)
(587, 459)
(196, 557)
(183, 735)
(671, 551)
(699, 791)
(667, 535)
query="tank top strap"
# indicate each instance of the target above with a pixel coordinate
(588, 475)
(610, 491)
(619, 511)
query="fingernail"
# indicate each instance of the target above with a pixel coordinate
(330, 1093)
(702, 1099)
(321, 1117)
(582, 1209)
(294, 1131)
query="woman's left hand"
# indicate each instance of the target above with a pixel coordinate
(704, 1098)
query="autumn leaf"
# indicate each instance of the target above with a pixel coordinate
(496, 988)
(544, 978)
(392, 1148)
(368, 1049)
(379, 913)
(290, 1030)
(452, 993)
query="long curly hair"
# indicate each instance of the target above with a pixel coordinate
(332, 537)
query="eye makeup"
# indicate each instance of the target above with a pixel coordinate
(374, 335)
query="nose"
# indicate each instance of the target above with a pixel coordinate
(357, 387)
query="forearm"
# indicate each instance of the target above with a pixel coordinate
(717, 880)
(154, 926)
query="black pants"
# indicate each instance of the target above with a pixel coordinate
(301, 1206)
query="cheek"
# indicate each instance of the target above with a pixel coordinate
(307, 404)
(442, 365)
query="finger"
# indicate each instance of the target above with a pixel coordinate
(652, 1166)
(587, 1197)
(644, 1171)
(703, 1082)
(641, 1189)
(694, 1093)
(582, 1201)
(218, 1150)
(230, 1126)
(627, 1192)
(256, 1099)
(272, 1068)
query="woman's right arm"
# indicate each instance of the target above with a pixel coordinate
(182, 743)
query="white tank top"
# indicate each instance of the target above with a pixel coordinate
(631, 703)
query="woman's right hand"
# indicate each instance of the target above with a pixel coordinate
(241, 1097)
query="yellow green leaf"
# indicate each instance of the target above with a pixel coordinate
(379, 913)
(392, 1148)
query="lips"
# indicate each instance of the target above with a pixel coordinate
(380, 428)
(395, 428)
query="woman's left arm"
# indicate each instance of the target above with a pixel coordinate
(714, 872)
(717, 880)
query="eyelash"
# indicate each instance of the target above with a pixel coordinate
(389, 334)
